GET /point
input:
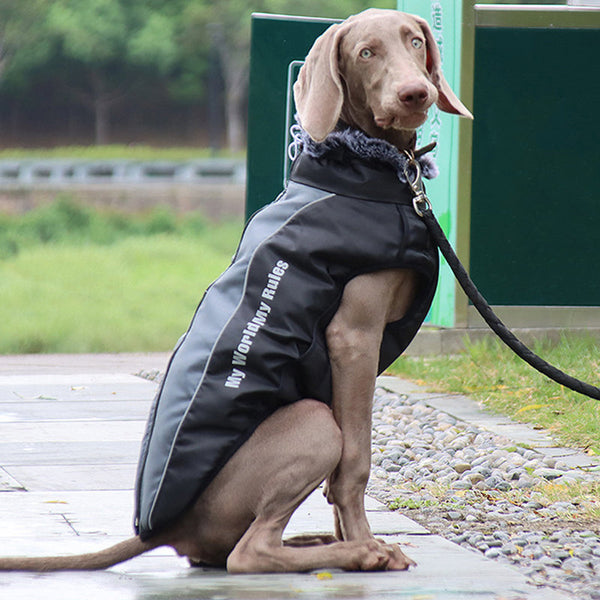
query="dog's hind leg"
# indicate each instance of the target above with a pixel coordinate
(248, 505)
(261, 485)
(239, 519)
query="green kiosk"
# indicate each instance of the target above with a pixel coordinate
(519, 190)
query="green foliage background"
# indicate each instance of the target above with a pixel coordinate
(73, 279)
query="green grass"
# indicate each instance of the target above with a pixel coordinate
(585, 497)
(490, 373)
(77, 280)
(133, 152)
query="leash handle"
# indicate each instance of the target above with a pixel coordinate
(422, 207)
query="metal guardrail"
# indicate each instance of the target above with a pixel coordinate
(80, 172)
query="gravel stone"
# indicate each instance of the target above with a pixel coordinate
(454, 515)
(560, 554)
(508, 549)
(460, 467)
(547, 473)
(416, 446)
(461, 485)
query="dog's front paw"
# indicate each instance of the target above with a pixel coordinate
(379, 556)
(397, 560)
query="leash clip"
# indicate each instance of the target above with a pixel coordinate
(412, 172)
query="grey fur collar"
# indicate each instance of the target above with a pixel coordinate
(361, 145)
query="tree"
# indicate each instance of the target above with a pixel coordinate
(98, 52)
(109, 40)
(230, 23)
(22, 38)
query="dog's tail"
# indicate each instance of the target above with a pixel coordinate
(92, 561)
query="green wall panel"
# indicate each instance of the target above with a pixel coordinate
(276, 43)
(535, 205)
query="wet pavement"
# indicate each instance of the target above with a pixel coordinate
(70, 429)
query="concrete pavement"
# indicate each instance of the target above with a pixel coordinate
(70, 429)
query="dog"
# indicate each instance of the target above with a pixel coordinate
(377, 73)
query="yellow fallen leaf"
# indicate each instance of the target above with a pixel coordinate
(324, 575)
(56, 502)
(78, 388)
(531, 407)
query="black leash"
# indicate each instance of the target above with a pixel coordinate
(422, 207)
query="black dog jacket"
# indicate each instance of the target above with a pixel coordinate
(256, 341)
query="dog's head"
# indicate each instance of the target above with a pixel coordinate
(379, 71)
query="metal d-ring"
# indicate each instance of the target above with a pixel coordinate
(421, 202)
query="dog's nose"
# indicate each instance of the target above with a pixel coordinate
(414, 96)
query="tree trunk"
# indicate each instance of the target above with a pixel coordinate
(101, 107)
(235, 66)
(236, 84)
(101, 121)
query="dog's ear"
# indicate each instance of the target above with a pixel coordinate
(318, 90)
(447, 100)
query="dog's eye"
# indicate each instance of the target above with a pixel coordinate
(417, 43)
(366, 53)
